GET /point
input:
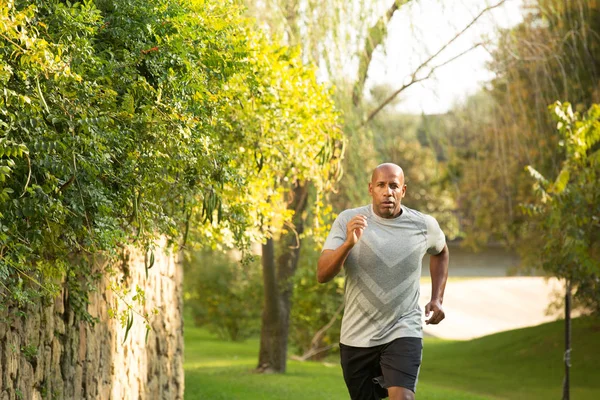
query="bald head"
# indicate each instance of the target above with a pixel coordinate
(386, 169)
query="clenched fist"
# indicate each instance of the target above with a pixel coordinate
(355, 229)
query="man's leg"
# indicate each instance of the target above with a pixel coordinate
(360, 365)
(400, 364)
(400, 393)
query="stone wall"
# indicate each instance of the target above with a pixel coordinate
(46, 353)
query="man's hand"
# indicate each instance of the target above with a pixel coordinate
(355, 229)
(438, 312)
(331, 261)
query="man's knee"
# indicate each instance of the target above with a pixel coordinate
(400, 393)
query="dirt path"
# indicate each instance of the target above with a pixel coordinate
(482, 306)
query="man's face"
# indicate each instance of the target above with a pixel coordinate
(387, 189)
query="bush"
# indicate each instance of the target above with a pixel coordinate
(314, 305)
(224, 295)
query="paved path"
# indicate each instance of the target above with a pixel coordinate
(482, 306)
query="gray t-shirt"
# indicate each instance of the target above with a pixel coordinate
(382, 274)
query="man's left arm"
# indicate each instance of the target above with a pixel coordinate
(438, 268)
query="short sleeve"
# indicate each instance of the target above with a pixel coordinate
(436, 240)
(337, 234)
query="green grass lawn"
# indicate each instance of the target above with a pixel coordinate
(520, 364)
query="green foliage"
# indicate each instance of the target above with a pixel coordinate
(565, 223)
(482, 175)
(552, 54)
(224, 295)
(314, 306)
(122, 121)
(30, 352)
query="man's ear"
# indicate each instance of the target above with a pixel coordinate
(370, 189)
(403, 190)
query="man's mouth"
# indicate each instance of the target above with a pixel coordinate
(387, 203)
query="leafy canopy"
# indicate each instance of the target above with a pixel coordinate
(124, 120)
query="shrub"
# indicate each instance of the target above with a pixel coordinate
(224, 295)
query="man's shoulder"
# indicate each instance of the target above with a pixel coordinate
(418, 216)
(427, 223)
(347, 214)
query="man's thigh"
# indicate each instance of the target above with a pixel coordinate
(401, 362)
(360, 365)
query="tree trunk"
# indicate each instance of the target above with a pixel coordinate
(278, 288)
(271, 357)
(567, 357)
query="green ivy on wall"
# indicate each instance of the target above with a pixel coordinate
(124, 120)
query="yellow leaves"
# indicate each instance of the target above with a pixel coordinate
(198, 96)
(33, 52)
(579, 135)
(127, 104)
(561, 181)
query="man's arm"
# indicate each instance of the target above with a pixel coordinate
(331, 261)
(438, 269)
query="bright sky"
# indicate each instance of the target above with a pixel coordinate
(418, 30)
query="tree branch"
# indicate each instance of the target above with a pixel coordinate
(375, 37)
(290, 15)
(28, 176)
(314, 343)
(311, 352)
(414, 79)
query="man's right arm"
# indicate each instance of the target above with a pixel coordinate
(331, 261)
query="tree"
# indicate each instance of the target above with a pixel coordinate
(280, 262)
(565, 219)
(565, 222)
(300, 151)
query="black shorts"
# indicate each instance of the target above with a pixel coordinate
(369, 371)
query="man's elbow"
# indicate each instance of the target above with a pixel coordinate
(322, 272)
(321, 268)
(321, 278)
(445, 253)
